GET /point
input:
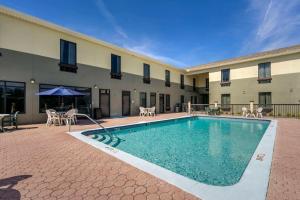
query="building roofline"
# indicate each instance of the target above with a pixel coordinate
(188, 70)
(243, 59)
(40, 22)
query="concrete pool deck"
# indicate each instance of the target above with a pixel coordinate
(60, 167)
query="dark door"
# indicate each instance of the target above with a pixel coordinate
(161, 103)
(152, 99)
(126, 103)
(205, 99)
(104, 102)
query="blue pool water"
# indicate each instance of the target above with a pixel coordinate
(214, 151)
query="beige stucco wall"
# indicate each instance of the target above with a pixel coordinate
(24, 36)
(285, 84)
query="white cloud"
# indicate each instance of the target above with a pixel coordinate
(277, 24)
(110, 18)
(150, 49)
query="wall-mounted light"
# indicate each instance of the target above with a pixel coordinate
(32, 81)
(134, 90)
(95, 86)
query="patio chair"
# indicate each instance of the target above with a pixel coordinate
(143, 111)
(259, 112)
(53, 117)
(151, 111)
(244, 111)
(11, 120)
(69, 116)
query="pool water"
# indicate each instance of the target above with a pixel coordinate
(215, 151)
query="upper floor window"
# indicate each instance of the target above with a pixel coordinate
(225, 77)
(264, 72)
(167, 78)
(207, 84)
(12, 97)
(194, 84)
(115, 66)
(181, 81)
(146, 73)
(68, 55)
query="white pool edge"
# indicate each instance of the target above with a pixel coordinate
(252, 185)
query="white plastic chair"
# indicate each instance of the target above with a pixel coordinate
(142, 111)
(53, 117)
(151, 111)
(69, 116)
(259, 112)
(245, 111)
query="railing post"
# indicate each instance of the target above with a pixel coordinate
(189, 107)
(216, 104)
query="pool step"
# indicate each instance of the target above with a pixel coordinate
(108, 139)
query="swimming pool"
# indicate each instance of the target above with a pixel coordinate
(214, 151)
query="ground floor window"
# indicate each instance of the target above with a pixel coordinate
(225, 102)
(152, 99)
(82, 103)
(194, 99)
(168, 102)
(12, 97)
(143, 99)
(265, 99)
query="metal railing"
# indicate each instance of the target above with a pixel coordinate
(92, 120)
(271, 110)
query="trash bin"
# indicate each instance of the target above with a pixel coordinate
(97, 113)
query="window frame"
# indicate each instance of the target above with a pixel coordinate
(167, 78)
(225, 82)
(4, 103)
(259, 97)
(146, 79)
(143, 93)
(67, 67)
(264, 79)
(118, 74)
(168, 102)
(181, 81)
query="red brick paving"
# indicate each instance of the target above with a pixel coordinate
(38, 162)
(285, 172)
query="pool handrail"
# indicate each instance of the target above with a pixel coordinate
(92, 120)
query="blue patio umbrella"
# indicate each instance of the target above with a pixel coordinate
(60, 91)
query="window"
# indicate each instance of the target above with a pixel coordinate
(206, 84)
(181, 98)
(68, 55)
(146, 73)
(12, 97)
(194, 84)
(143, 99)
(82, 103)
(181, 81)
(168, 104)
(194, 99)
(225, 102)
(225, 77)
(167, 78)
(264, 72)
(115, 66)
(265, 99)
(152, 99)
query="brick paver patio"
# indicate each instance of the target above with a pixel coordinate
(39, 162)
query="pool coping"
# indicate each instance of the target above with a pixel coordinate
(252, 185)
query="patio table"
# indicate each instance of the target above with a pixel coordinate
(2, 116)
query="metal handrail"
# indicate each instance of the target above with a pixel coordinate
(92, 120)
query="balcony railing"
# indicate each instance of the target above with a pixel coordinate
(271, 110)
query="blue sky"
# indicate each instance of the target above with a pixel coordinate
(181, 33)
